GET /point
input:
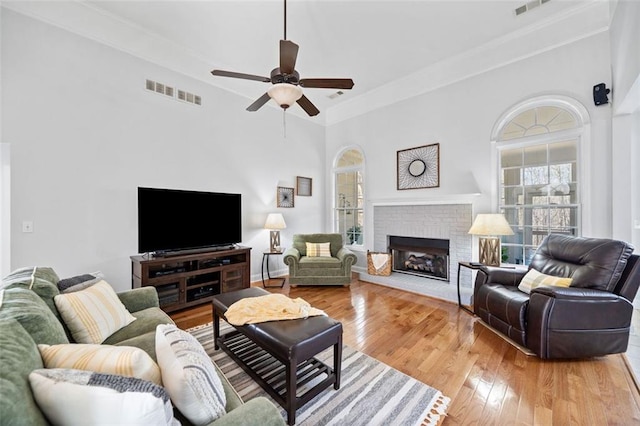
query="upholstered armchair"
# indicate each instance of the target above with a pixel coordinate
(319, 259)
(588, 318)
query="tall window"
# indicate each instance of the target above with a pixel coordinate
(539, 188)
(348, 214)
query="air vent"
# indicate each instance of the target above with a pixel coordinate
(163, 89)
(189, 97)
(530, 5)
(336, 94)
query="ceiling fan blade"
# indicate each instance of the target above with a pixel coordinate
(327, 83)
(232, 74)
(257, 104)
(306, 105)
(288, 55)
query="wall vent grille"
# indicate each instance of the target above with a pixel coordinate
(336, 94)
(530, 5)
(163, 89)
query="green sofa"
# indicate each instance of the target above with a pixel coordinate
(306, 270)
(28, 317)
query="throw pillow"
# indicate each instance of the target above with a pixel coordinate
(126, 361)
(189, 375)
(79, 282)
(319, 249)
(75, 397)
(93, 314)
(535, 279)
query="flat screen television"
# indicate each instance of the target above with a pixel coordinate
(172, 220)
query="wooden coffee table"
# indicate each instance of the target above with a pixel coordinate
(280, 355)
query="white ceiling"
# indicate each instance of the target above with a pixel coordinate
(391, 49)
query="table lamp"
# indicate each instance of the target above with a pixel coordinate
(490, 226)
(275, 222)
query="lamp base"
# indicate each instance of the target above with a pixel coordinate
(274, 239)
(490, 253)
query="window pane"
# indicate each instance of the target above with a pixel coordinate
(349, 198)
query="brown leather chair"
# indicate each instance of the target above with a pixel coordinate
(591, 317)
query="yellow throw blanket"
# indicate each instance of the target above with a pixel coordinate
(271, 307)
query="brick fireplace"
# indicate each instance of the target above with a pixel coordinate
(448, 222)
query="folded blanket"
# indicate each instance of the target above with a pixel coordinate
(271, 307)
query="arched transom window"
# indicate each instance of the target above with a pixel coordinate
(349, 196)
(538, 178)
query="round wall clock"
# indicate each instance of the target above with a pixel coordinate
(284, 197)
(419, 167)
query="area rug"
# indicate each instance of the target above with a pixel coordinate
(371, 393)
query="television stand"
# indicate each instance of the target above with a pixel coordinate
(183, 280)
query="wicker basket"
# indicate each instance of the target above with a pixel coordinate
(384, 270)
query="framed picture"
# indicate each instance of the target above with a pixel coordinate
(303, 186)
(284, 197)
(419, 167)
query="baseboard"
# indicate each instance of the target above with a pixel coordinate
(521, 348)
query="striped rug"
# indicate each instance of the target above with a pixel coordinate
(371, 393)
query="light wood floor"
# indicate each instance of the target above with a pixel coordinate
(489, 381)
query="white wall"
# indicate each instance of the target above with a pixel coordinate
(84, 134)
(625, 98)
(461, 116)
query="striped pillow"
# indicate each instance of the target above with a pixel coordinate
(319, 249)
(188, 374)
(125, 361)
(93, 314)
(76, 397)
(535, 279)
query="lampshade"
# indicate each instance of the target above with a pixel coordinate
(275, 221)
(285, 94)
(490, 224)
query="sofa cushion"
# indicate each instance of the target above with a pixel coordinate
(146, 321)
(93, 314)
(320, 262)
(534, 279)
(595, 263)
(76, 397)
(125, 361)
(32, 313)
(41, 280)
(18, 357)
(189, 375)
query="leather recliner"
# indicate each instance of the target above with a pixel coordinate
(590, 318)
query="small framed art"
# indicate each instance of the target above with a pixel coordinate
(284, 197)
(303, 186)
(419, 167)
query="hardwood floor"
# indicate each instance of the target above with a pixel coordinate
(488, 380)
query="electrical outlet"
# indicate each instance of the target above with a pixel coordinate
(27, 226)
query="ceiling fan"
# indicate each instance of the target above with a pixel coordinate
(286, 82)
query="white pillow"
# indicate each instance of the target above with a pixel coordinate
(75, 397)
(93, 314)
(534, 279)
(126, 361)
(189, 375)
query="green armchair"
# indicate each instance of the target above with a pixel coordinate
(319, 270)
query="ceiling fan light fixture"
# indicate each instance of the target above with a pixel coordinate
(285, 94)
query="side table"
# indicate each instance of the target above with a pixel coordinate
(265, 259)
(470, 265)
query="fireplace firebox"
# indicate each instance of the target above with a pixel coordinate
(428, 257)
